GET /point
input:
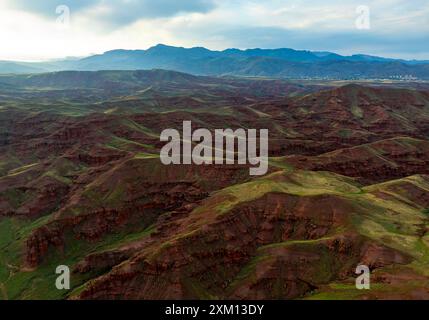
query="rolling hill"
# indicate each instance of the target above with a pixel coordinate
(82, 185)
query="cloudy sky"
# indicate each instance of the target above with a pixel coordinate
(47, 29)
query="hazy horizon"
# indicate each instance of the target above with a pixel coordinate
(251, 48)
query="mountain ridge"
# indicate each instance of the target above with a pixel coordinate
(277, 63)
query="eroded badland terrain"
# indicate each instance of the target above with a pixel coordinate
(82, 185)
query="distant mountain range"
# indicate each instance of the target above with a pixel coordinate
(277, 63)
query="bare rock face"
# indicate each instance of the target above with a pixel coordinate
(371, 163)
(177, 191)
(376, 256)
(102, 261)
(39, 243)
(276, 247)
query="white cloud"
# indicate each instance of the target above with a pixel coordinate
(398, 27)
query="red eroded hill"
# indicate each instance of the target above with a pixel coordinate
(81, 184)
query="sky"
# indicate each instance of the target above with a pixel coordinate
(36, 30)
